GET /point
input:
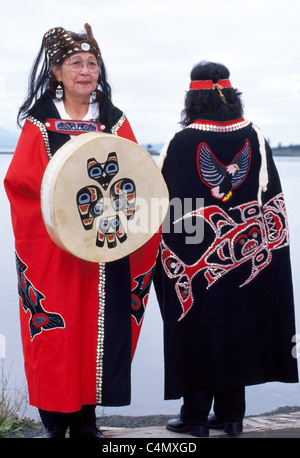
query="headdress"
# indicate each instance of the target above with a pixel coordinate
(208, 84)
(59, 44)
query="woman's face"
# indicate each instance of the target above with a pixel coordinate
(79, 75)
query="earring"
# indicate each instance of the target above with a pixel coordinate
(59, 93)
(94, 93)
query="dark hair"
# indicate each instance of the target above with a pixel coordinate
(42, 78)
(208, 102)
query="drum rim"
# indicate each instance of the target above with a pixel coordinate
(59, 159)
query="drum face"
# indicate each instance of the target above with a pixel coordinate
(102, 197)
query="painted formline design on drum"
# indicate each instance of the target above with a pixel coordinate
(92, 203)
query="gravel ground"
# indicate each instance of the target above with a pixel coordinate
(35, 429)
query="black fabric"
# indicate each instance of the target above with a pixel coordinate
(84, 419)
(228, 406)
(45, 109)
(117, 355)
(238, 330)
(57, 420)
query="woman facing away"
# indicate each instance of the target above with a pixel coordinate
(78, 325)
(223, 276)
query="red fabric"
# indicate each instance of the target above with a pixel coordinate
(126, 131)
(49, 380)
(219, 123)
(208, 84)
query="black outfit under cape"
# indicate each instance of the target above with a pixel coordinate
(226, 300)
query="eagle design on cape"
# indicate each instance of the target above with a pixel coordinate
(223, 178)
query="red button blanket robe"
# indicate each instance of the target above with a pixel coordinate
(225, 290)
(80, 321)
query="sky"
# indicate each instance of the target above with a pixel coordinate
(150, 47)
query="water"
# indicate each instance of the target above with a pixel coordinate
(147, 368)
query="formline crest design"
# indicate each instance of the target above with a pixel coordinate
(92, 201)
(31, 300)
(223, 179)
(140, 293)
(249, 234)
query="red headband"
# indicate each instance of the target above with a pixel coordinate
(208, 84)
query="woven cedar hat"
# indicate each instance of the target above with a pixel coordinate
(59, 44)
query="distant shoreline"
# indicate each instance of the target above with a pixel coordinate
(292, 150)
(276, 154)
(283, 151)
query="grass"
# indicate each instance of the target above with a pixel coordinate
(13, 402)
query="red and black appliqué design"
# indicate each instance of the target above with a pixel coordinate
(222, 179)
(74, 127)
(140, 293)
(249, 236)
(31, 300)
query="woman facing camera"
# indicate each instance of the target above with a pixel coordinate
(77, 320)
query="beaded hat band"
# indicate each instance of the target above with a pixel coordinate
(208, 84)
(59, 44)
